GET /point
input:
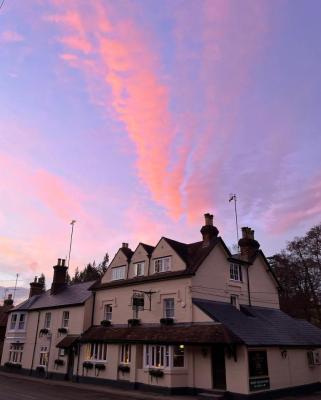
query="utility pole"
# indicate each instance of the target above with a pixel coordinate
(233, 197)
(72, 223)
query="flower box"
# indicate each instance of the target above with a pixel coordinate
(166, 321)
(10, 365)
(43, 331)
(123, 368)
(105, 322)
(157, 373)
(134, 322)
(99, 367)
(59, 362)
(88, 365)
(62, 330)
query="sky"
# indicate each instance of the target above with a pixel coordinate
(135, 118)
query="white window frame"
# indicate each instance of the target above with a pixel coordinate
(140, 268)
(108, 312)
(96, 352)
(47, 320)
(236, 272)
(65, 319)
(125, 353)
(15, 352)
(169, 307)
(43, 356)
(18, 322)
(163, 264)
(162, 356)
(13, 321)
(118, 273)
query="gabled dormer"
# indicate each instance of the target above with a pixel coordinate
(118, 268)
(140, 261)
(168, 256)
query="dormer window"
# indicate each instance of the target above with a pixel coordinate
(139, 268)
(118, 273)
(236, 272)
(162, 264)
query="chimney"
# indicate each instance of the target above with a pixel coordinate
(208, 231)
(36, 287)
(8, 301)
(248, 245)
(60, 277)
(124, 246)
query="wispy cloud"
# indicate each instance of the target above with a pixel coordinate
(11, 37)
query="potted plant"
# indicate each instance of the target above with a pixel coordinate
(43, 331)
(156, 373)
(105, 322)
(62, 330)
(59, 362)
(124, 368)
(87, 365)
(166, 321)
(99, 367)
(134, 322)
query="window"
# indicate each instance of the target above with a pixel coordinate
(61, 352)
(97, 351)
(236, 272)
(139, 268)
(125, 353)
(156, 356)
(17, 321)
(258, 365)
(47, 322)
(108, 312)
(169, 308)
(162, 264)
(118, 273)
(43, 361)
(235, 301)
(65, 319)
(178, 355)
(15, 352)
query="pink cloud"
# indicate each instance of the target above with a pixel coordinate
(11, 37)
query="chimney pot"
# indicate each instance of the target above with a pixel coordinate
(125, 245)
(63, 261)
(59, 261)
(208, 231)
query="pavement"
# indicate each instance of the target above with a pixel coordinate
(19, 387)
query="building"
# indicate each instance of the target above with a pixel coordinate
(4, 311)
(178, 318)
(46, 320)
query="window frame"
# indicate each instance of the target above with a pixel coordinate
(47, 320)
(125, 353)
(236, 274)
(65, 321)
(160, 264)
(139, 265)
(169, 312)
(43, 356)
(16, 352)
(162, 353)
(265, 367)
(115, 276)
(110, 316)
(97, 349)
(18, 321)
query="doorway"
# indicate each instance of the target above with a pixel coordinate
(70, 367)
(218, 368)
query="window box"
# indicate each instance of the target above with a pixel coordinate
(40, 370)
(105, 322)
(99, 367)
(123, 368)
(88, 365)
(156, 373)
(43, 331)
(166, 321)
(63, 331)
(134, 322)
(59, 363)
(11, 365)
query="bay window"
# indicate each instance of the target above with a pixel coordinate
(15, 352)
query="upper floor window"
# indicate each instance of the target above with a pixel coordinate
(162, 264)
(169, 308)
(108, 312)
(236, 272)
(65, 319)
(139, 268)
(125, 353)
(15, 352)
(18, 321)
(118, 273)
(47, 322)
(97, 351)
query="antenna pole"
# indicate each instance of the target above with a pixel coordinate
(233, 197)
(72, 223)
(15, 286)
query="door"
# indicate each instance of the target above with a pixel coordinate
(218, 368)
(70, 368)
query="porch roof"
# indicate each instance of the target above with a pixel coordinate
(173, 334)
(67, 341)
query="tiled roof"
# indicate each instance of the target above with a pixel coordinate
(148, 248)
(174, 334)
(67, 341)
(260, 326)
(70, 295)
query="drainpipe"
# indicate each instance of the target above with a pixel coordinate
(34, 347)
(50, 343)
(93, 309)
(248, 285)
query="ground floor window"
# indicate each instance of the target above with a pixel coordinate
(96, 351)
(125, 353)
(15, 352)
(44, 355)
(163, 356)
(258, 365)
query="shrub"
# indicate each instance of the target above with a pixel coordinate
(105, 322)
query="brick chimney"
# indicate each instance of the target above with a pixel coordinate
(8, 302)
(248, 245)
(208, 231)
(124, 246)
(60, 277)
(36, 287)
